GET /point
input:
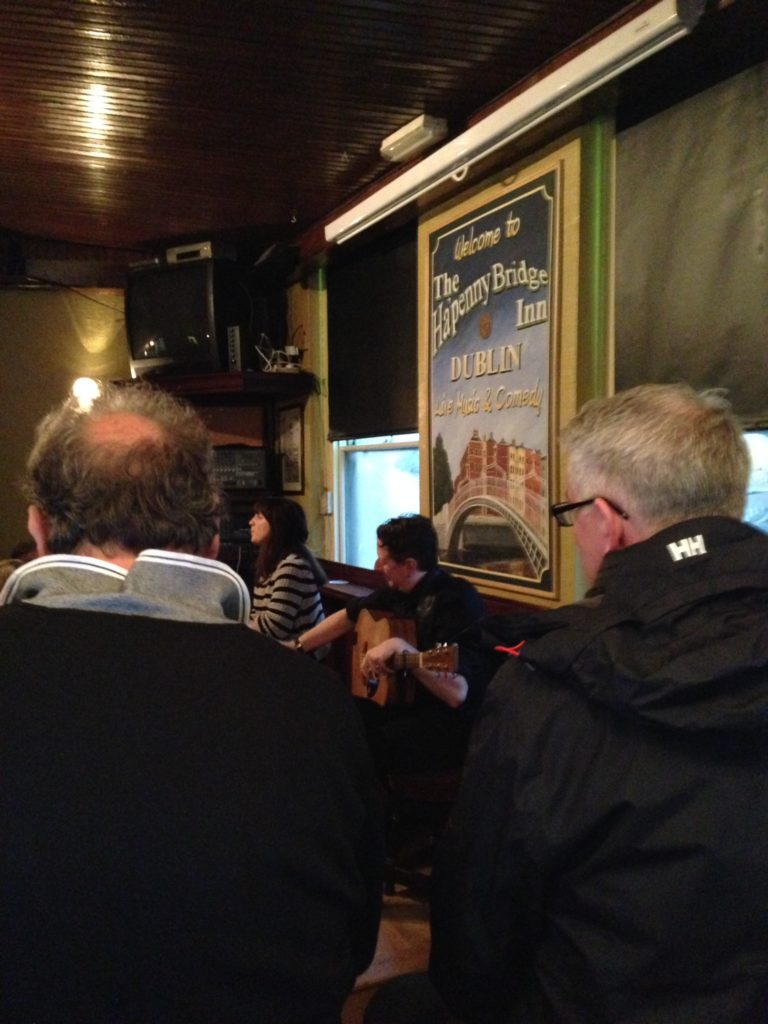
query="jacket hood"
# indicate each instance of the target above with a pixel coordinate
(675, 630)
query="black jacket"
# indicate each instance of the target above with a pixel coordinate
(608, 858)
(188, 823)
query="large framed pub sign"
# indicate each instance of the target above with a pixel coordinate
(498, 297)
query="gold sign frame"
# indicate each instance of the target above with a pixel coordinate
(498, 331)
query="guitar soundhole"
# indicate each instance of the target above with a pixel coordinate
(371, 686)
(371, 682)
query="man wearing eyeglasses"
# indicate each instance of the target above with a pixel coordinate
(607, 860)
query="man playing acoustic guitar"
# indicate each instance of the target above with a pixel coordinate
(430, 732)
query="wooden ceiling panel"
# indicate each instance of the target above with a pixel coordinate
(127, 122)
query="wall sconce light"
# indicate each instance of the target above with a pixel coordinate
(629, 44)
(85, 391)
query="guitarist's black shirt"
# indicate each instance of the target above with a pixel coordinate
(446, 609)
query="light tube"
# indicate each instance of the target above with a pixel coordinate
(631, 43)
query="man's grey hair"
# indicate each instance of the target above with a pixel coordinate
(663, 452)
(156, 492)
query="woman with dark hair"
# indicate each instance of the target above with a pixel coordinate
(286, 598)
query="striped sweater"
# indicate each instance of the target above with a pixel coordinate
(287, 603)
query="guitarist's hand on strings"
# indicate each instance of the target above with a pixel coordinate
(450, 687)
(383, 657)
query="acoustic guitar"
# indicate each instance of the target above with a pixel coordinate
(396, 686)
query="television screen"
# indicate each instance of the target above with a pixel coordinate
(178, 315)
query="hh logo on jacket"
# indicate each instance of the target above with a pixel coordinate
(687, 548)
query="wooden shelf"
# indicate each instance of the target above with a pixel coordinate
(245, 385)
(241, 408)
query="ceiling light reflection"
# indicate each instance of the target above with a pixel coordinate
(98, 107)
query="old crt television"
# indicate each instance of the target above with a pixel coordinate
(185, 317)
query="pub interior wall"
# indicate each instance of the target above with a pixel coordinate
(48, 338)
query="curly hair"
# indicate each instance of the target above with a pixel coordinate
(156, 491)
(410, 536)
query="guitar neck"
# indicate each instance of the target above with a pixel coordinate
(407, 660)
(443, 658)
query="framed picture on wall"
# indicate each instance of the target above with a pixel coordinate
(498, 320)
(290, 440)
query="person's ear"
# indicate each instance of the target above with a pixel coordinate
(38, 528)
(612, 526)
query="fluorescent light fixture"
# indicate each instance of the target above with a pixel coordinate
(419, 134)
(629, 44)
